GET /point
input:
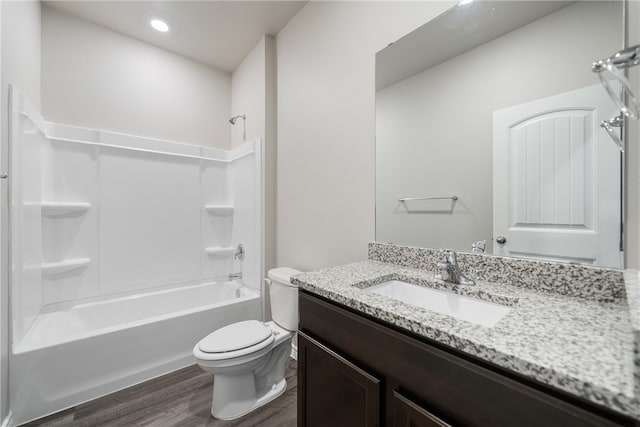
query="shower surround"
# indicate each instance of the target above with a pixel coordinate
(121, 251)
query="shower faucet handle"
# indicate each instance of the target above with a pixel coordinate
(240, 252)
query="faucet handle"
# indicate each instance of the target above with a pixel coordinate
(479, 247)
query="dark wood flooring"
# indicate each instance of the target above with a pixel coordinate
(182, 398)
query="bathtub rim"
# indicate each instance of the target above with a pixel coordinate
(247, 294)
(139, 292)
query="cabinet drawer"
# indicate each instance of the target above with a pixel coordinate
(333, 391)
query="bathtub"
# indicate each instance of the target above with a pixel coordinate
(73, 353)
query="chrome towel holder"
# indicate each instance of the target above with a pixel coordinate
(614, 66)
(624, 58)
(408, 199)
(610, 125)
(612, 69)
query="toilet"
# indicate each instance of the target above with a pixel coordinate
(248, 358)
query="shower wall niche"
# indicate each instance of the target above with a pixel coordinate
(97, 214)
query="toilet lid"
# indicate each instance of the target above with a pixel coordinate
(235, 337)
(283, 275)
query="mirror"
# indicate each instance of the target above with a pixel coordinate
(488, 128)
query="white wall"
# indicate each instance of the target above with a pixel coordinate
(253, 86)
(326, 122)
(632, 153)
(97, 78)
(20, 66)
(248, 95)
(420, 140)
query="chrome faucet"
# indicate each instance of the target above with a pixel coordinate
(449, 271)
(235, 276)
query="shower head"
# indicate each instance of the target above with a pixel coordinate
(233, 119)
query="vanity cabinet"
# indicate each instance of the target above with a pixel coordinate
(357, 371)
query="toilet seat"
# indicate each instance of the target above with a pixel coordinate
(236, 340)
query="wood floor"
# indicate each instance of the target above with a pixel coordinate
(182, 398)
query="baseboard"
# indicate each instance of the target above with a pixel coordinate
(8, 421)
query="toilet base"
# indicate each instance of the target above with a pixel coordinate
(264, 396)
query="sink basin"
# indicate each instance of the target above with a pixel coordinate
(459, 306)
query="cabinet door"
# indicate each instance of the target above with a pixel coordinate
(333, 391)
(408, 414)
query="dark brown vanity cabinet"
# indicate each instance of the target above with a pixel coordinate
(356, 371)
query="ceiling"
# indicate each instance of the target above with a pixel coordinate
(217, 33)
(458, 30)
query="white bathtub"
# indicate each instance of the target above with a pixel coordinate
(76, 353)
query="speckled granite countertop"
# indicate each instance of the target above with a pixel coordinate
(587, 347)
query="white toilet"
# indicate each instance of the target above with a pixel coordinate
(248, 358)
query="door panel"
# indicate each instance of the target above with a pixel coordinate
(557, 179)
(333, 391)
(409, 414)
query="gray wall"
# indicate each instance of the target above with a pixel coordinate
(326, 141)
(98, 78)
(632, 153)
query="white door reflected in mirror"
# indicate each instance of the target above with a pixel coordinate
(556, 182)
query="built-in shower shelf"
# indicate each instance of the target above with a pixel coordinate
(221, 251)
(51, 268)
(61, 208)
(220, 209)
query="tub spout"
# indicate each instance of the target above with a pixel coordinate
(235, 276)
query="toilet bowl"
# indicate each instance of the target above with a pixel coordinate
(248, 358)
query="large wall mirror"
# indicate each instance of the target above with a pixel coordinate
(488, 128)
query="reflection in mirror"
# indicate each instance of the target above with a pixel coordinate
(488, 125)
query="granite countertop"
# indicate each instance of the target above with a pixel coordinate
(586, 347)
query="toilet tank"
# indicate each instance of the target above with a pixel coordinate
(284, 298)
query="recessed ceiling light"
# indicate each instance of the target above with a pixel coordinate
(159, 25)
(463, 2)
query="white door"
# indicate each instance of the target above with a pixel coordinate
(556, 180)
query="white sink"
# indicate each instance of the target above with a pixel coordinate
(459, 306)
